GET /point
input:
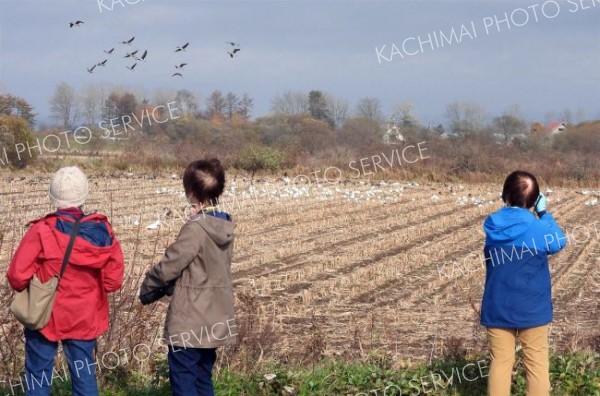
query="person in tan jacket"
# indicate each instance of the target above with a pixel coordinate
(196, 269)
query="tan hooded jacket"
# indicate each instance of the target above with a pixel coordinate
(201, 313)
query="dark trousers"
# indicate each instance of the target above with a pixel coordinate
(190, 371)
(39, 365)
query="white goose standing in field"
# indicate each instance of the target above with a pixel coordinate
(154, 226)
(592, 202)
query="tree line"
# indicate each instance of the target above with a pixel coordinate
(302, 128)
(95, 103)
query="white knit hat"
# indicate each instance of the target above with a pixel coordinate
(68, 188)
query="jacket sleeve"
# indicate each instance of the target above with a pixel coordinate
(553, 238)
(177, 257)
(25, 261)
(112, 273)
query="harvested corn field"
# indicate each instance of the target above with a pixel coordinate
(333, 269)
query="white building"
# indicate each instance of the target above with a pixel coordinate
(392, 134)
(556, 127)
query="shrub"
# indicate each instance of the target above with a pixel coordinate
(15, 131)
(255, 158)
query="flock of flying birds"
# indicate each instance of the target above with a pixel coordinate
(232, 51)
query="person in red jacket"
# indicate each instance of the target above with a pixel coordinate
(80, 311)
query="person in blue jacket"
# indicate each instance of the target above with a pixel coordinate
(517, 300)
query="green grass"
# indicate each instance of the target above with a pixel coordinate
(572, 375)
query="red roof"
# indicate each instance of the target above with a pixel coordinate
(556, 124)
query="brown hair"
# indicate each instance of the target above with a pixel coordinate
(520, 189)
(204, 180)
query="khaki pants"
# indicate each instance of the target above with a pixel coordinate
(535, 357)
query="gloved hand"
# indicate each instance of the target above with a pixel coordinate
(541, 204)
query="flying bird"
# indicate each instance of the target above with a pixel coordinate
(143, 57)
(91, 70)
(180, 66)
(177, 74)
(110, 51)
(182, 48)
(131, 54)
(232, 43)
(128, 41)
(132, 67)
(233, 52)
(103, 63)
(75, 24)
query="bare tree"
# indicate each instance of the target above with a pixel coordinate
(186, 102)
(509, 126)
(118, 105)
(515, 111)
(369, 108)
(567, 116)
(64, 105)
(232, 104)
(215, 104)
(246, 105)
(161, 96)
(465, 117)
(403, 114)
(290, 103)
(92, 100)
(337, 108)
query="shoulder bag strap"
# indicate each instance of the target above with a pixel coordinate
(70, 246)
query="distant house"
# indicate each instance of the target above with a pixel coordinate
(556, 127)
(392, 134)
(541, 131)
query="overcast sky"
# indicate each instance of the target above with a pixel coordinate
(545, 65)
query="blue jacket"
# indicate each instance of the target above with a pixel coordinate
(93, 231)
(212, 211)
(518, 292)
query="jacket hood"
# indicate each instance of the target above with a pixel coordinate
(218, 229)
(507, 224)
(84, 254)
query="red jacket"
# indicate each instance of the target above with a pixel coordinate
(80, 311)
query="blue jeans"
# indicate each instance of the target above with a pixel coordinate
(39, 365)
(190, 371)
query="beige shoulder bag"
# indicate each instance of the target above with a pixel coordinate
(33, 305)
